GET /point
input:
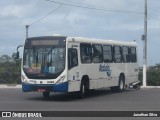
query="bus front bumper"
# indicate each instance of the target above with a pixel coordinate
(62, 87)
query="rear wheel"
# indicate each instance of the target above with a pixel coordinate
(46, 95)
(121, 85)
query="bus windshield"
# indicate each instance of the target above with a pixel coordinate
(44, 62)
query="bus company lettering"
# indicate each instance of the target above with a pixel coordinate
(105, 68)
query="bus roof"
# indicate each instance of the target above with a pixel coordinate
(101, 41)
(46, 37)
(88, 40)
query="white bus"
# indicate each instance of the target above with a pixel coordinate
(75, 64)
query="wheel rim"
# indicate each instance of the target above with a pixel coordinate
(83, 89)
(121, 84)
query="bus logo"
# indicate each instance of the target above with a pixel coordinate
(105, 68)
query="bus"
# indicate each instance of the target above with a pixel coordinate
(76, 64)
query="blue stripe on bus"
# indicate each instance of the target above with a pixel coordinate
(62, 87)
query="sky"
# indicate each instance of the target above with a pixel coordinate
(121, 20)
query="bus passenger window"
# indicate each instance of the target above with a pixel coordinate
(86, 53)
(133, 55)
(72, 58)
(107, 54)
(117, 54)
(97, 54)
(126, 56)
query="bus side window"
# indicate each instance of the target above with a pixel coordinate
(86, 53)
(126, 56)
(107, 54)
(97, 53)
(133, 56)
(72, 58)
(117, 54)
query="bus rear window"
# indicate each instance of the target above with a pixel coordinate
(133, 54)
(125, 53)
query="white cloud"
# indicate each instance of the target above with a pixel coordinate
(110, 4)
(13, 11)
(73, 21)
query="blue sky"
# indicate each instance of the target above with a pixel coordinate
(75, 21)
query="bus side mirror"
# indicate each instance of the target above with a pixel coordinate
(16, 55)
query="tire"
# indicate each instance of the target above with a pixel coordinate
(120, 87)
(82, 91)
(46, 95)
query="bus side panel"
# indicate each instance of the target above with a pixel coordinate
(97, 78)
(131, 73)
(73, 86)
(93, 84)
(73, 80)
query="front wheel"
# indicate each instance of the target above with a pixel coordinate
(82, 91)
(46, 95)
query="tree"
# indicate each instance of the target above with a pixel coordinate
(9, 70)
(153, 75)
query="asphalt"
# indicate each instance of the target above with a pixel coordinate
(13, 99)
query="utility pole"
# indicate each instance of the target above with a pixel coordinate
(145, 46)
(27, 26)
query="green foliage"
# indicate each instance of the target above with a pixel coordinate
(9, 70)
(140, 76)
(153, 75)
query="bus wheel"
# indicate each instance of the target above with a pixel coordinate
(82, 90)
(46, 95)
(121, 85)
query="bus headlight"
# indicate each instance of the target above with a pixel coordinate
(23, 79)
(61, 79)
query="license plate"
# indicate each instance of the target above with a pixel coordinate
(41, 90)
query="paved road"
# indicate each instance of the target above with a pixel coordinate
(100, 100)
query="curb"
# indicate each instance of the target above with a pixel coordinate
(10, 86)
(150, 87)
